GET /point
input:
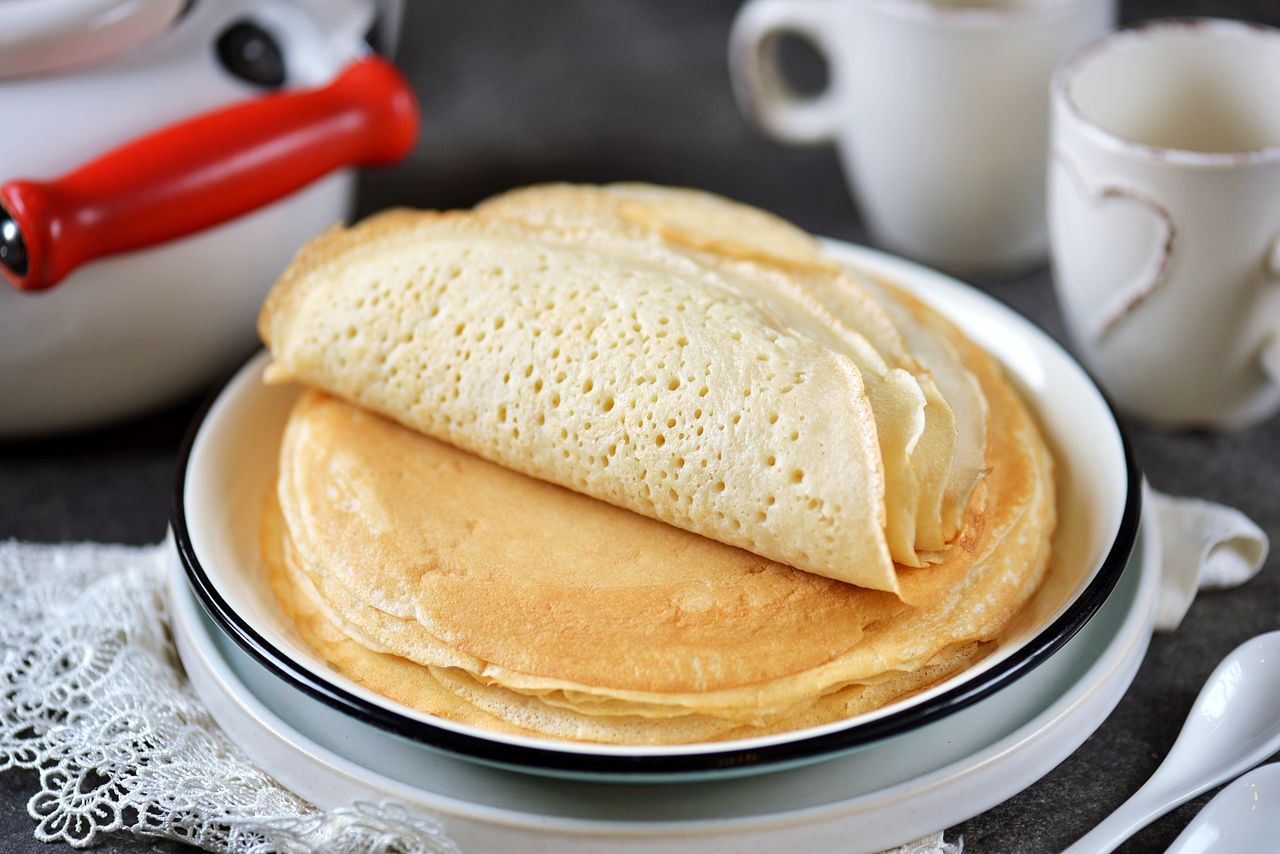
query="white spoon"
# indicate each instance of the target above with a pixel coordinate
(1245, 816)
(1234, 724)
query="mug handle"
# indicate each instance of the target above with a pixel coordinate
(758, 83)
(1269, 354)
(1270, 357)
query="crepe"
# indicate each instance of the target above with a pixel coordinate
(639, 465)
(945, 461)
(452, 693)
(604, 365)
(469, 557)
(549, 609)
(628, 360)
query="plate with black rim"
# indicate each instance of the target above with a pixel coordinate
(226, 467)
(874, 798)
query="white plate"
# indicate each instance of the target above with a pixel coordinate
(226, 469)
(883, 795)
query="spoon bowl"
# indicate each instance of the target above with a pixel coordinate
(1233, 725)
(1244, 816)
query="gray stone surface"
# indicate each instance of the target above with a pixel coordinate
(594, 91)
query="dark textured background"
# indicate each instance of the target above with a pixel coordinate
(593, 91)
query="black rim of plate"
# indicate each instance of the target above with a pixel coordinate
(715, 758)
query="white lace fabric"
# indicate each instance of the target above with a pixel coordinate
(94, 699)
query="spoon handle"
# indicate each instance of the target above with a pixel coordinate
(1145, 806)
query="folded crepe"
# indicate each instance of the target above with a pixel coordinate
(742, 399)
(558, 614)
(631, 464)
(954, 435)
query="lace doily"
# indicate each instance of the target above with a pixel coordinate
(93, 698)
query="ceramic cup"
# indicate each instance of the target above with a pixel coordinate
(940, 111)
(1164, 212)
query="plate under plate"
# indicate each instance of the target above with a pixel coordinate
(224, 472)
(882, 795)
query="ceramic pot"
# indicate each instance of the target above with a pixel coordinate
(157, 173)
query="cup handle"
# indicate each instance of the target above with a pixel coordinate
(1269, 355)
(758, 83)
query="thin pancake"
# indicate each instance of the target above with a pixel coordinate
(505, 598)
(393, 677)
(604, 364)
(560, 611)
(530, 577)
(917, 429)
(455, 694)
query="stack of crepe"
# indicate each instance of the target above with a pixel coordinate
(632, 464)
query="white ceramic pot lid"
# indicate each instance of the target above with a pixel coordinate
(38, 36)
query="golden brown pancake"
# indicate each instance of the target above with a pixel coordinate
(528, 576)
(607, 365)
(598, 463)
(455, 694)
(450, 692)
(930, 473)
(432, 555)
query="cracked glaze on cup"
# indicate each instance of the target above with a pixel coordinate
(1164, 218)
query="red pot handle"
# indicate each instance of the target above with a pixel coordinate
(203, 171)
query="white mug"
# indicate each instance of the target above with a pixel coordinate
(940, 111)
(1164, 213)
